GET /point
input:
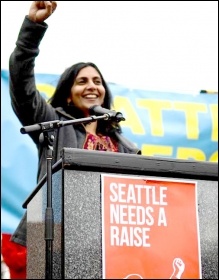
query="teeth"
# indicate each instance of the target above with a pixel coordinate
(90, 96)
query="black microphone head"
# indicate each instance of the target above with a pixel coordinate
(112, 114)
(98, 110)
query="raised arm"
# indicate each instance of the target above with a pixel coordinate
(27, 103)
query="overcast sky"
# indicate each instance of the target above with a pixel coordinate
(152, 45)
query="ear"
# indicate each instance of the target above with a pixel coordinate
(68, 100)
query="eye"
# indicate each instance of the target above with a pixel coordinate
(98, 82)
(81, 82)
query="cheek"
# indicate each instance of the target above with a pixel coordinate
(103, 94)
(74, 94)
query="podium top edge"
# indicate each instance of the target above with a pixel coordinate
(137, 164)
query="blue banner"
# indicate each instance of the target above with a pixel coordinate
(162, 124)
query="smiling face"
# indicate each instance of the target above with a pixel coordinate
(87, 90)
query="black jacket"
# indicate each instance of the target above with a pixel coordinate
(31, 108)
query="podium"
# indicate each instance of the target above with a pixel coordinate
(76, 202)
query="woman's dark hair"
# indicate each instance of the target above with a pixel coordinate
(63, 91)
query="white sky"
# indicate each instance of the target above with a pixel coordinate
(150, 45)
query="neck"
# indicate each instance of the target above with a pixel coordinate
(91, 127)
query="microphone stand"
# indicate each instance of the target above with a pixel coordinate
(48, 140)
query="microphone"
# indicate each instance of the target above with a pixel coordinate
(111, 114)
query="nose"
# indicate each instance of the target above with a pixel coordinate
(91, 85)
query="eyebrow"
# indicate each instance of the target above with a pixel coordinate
(82, 77)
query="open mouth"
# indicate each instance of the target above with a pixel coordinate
(91, 96)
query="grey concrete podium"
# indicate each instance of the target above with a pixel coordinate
(76, 202)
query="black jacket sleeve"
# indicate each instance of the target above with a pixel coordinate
(27, 103)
